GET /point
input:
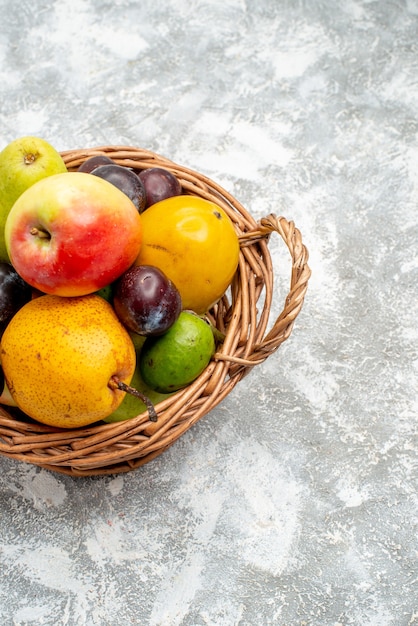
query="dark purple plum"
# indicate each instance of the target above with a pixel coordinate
(146, 301)
(14, 293)
(126, 180)
(159, 184)
(94, 162)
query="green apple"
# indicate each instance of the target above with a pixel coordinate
(23, 162)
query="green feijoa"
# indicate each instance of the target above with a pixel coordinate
(173, 360)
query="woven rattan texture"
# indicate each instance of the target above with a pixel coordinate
(242, 315)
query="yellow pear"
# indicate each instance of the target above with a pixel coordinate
(65, 360)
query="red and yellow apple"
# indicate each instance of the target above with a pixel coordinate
(72, 234)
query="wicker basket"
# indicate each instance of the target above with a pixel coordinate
(242, 314)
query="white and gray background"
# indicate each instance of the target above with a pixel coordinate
(293, 503)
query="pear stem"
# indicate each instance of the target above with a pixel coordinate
(115, 383)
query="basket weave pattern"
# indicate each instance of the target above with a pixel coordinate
(242, 315)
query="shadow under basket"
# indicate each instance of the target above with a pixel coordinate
(243, 315)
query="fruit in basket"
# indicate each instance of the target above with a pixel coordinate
(23, 162)
(137, 340)
(14, 293)
(72, 234)
(146, 301)
(126, 180)
(63, 357)
(130, 406)
(194, 242)
(175, 359)
(106, 292)
(94, 162)
(5, 395)
(159, 184)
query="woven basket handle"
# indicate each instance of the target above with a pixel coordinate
(300, 274)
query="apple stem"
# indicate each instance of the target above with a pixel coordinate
(30, 158)
(42, 234)
(115, 383)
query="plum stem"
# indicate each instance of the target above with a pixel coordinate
(116, 383)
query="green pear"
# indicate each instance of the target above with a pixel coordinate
(23, 162)
(137, 340)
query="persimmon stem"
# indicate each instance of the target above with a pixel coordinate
(115, 383)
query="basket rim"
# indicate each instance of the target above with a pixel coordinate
(243, 315)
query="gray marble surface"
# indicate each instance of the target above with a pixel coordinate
(294, 503)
